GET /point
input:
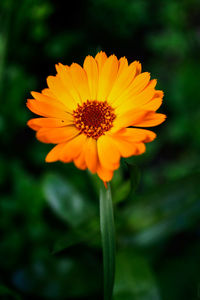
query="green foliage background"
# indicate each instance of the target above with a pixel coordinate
(50, 244)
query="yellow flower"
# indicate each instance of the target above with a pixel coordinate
(90, 113)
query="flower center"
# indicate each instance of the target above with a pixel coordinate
(93, 118)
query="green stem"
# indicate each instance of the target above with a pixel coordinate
(108, 239)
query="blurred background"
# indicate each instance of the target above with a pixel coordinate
(50, 245)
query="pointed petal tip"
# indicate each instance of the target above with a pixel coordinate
(113, 56)
(29, 102)
(59, 66)
(49, 159)
(154, 82)
(28, 123)
(101, 53)
(33, 94)
(105, 184)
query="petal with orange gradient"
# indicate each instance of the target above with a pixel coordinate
(108, 153)
(60, 92)
(123, 65)
(103, 173)
(73, 148)
(90, 66)
(53, 155)
(64, 75)
(121, 84)
(37, 123)
(135, 135)
(138, 67)
(129, 118)
(125, 147)
(49, 100)
(107, 77)
(80, 162)
(151, 119)
(46, 109)
(155, 102)
(135, 102)
(57, 135)
(100, 58)
(79, 78)
(91, 154)
(48, 93)
(138, 84)
(140, 148)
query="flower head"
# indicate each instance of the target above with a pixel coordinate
(92, 114)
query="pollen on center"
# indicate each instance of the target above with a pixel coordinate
(93, 118)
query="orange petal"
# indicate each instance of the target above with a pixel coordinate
(109, 155)
(137, 86)
(136, 101)
(141, 148)
(48, 99)
(56, 135)
(90, 66)
(37, 123)
(61, 93)
(130, 141)
(136, 135)
(123, 65)
(107, 77)
(80, 81)
(73, 148)
(151, 119)
(126, 148)
(46, 109)
(142, 98)
(105, 174)
(53, 155)
(80, 161)
(48, 93)
(159, 94)
(91, 155)
(100, 58)
(138, 67)
(139, 83)
(64, 74)
(122, 82)
(130, 118)
(155, 102)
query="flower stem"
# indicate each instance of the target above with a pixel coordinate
(108, 239)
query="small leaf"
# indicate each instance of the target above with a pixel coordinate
(67, 203)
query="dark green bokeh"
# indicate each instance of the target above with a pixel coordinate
(50, 244)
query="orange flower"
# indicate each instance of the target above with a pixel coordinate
(90, 113)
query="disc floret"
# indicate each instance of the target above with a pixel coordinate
(94, 118)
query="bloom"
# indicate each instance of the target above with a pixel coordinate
(92, 114)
